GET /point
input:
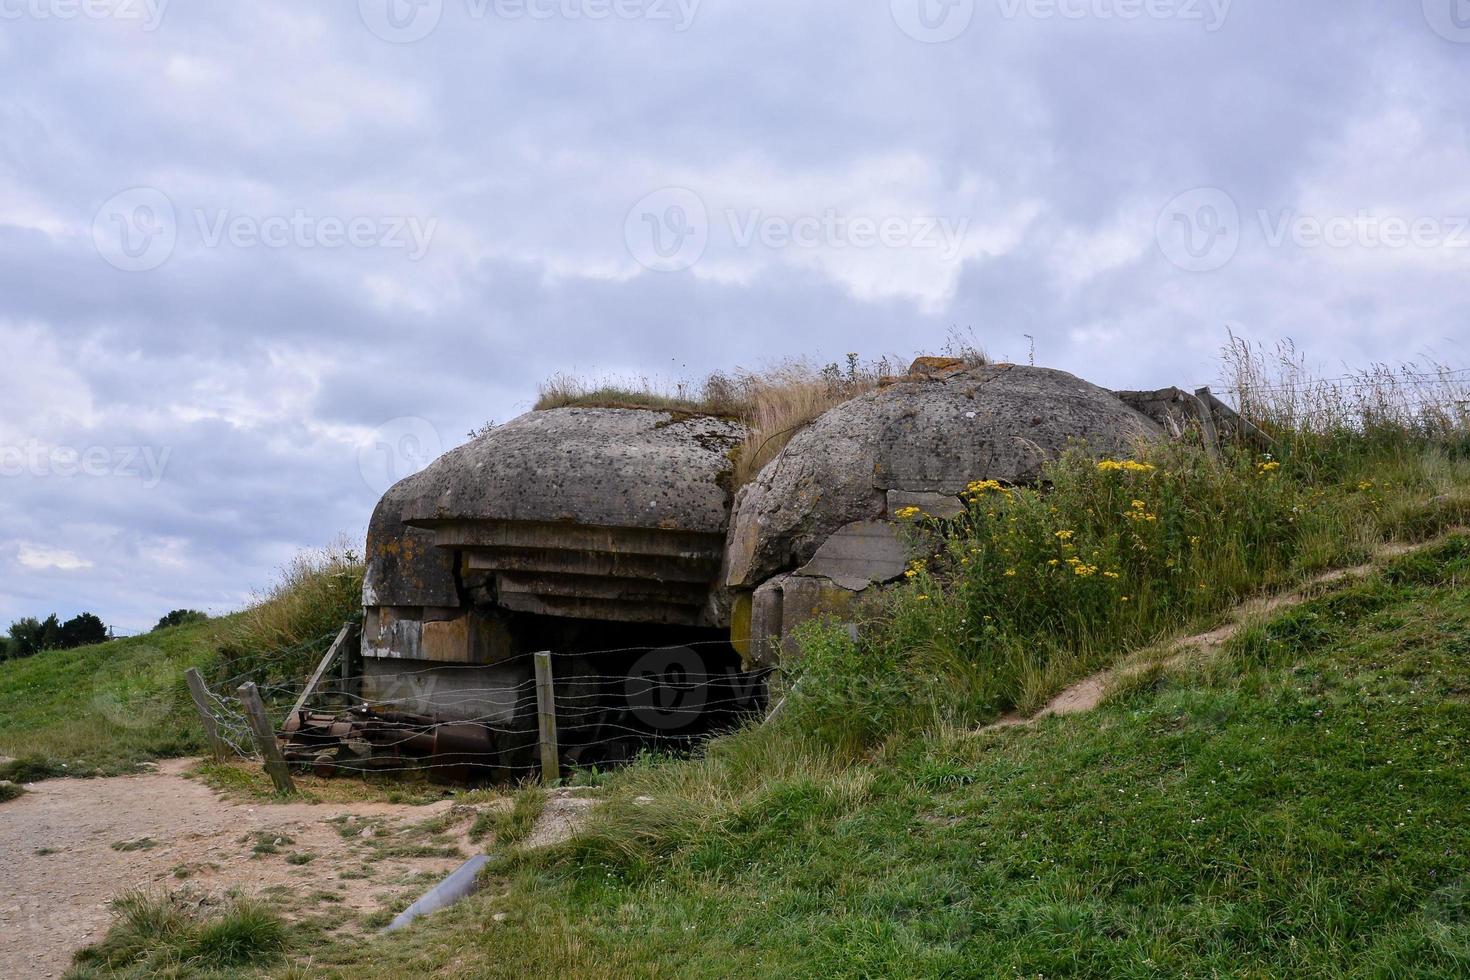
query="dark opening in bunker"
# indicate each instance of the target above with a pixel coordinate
(620, 689)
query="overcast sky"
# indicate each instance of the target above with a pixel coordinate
(257, 258)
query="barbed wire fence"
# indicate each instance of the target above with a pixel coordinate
(477, 716)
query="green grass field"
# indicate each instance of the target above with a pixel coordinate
(1295, 807)
(104, 709)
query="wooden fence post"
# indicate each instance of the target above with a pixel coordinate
(265, 739)
(546, 717)
(200, 694)
(341, 645)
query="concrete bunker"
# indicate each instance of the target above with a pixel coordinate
(594, 533)
(613, 538)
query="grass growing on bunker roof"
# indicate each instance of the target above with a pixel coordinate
(774, 403)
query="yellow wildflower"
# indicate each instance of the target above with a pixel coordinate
(1064, 535)
(1010, 573)
(1270, 467)
(907, 513)
(980, 486)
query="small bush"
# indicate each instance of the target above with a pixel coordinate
(514, 824)
(9, 791)
(155, 932)
(179, 617)
(31, 769)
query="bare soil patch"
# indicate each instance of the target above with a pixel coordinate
(70, 846)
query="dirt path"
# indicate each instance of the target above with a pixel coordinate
(1089, 692)
(69, 846)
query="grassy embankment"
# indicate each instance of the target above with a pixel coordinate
(110, 708)
(1291, 806)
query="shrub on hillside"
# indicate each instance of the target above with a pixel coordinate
(1033, 586)
(179, 617)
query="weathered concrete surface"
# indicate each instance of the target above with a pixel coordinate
(784, 603)
(600, 467)
(941, 505)
(999, 422)
(861, 554)
(403, 566)
(614, 514)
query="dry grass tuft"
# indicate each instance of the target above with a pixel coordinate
(775, 402)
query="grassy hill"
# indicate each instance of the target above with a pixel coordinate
(1293, 806)
(103, 709)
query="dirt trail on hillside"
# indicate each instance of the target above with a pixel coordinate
(1088, 693)
(70, 846)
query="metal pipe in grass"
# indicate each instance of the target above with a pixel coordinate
(463, 883)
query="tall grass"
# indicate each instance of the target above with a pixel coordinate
(156, 933)
(293, 622)
(1381, 408)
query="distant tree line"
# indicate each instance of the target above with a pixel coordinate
(30, 636)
